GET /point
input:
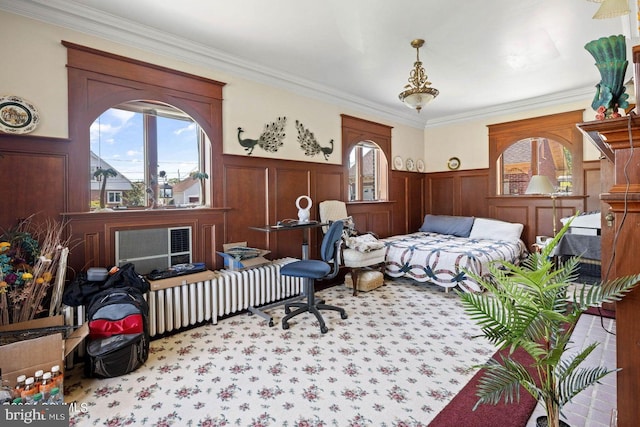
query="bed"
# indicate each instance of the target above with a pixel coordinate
(447, 246)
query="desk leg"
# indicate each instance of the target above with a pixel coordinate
(306, 233)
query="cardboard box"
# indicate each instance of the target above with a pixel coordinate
(27, 356)
(231, 263)
(171, 282)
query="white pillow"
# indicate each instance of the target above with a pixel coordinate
(493, 229)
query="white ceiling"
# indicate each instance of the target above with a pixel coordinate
(485, 57)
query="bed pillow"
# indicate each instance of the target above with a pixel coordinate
(459, 226)
(493, 229)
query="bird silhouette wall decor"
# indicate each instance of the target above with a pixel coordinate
(309, 143)
(269, 140)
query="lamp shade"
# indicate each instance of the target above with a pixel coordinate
(539, 184)
(612, 8)
(418, 100)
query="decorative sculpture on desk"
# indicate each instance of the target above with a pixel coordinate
(303, 213)
(610, 54)
(269, 140)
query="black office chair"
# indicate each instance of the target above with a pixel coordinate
(311, 270)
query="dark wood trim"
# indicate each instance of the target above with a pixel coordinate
(616, 138)
(99, 80)
(560, 127)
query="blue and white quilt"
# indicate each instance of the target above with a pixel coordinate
(442, 259)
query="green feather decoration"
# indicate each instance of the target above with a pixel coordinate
(610, 54)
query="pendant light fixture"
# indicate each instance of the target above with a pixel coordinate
(419, 92)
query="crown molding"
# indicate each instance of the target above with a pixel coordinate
(86, 20)
(559, 98)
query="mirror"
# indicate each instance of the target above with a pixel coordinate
(147, 154)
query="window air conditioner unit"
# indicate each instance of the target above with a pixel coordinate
(153, 248)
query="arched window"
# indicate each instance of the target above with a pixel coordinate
(535, 156)
(150, 154)
(366, 146)
(367, 172)
(548, 145)
(99, 81)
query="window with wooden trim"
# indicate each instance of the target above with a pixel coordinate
(547, 145)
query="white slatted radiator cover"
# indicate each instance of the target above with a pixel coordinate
(180, 302)
(238, 290)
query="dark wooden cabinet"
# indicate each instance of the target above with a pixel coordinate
(620, 173)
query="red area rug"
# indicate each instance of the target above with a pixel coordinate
(602, 312)
(459, 412)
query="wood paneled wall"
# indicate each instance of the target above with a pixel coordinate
(260, 192)
(467, 193)
(254, 192)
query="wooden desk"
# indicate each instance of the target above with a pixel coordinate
(305, 226)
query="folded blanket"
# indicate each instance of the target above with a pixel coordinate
(363, 243)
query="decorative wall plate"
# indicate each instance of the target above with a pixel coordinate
(420, 165)
(411, 165)
(397, 162)
(17, 115)
(453, 163)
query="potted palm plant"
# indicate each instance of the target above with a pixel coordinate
(202, 176)
(529, 306)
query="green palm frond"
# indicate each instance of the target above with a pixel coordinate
(610, 291)
(579, 381)
(527, 307)
(502, 381)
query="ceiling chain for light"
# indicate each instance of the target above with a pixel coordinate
(419, 92)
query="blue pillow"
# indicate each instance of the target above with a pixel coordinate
(459, 226)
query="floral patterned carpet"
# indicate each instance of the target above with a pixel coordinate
(404, 351)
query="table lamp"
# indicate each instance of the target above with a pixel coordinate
(540, 184)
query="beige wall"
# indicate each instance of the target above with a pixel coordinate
(36, 71)
(469, 140)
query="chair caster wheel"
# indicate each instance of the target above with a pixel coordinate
(285, 325)
(324, 329)
(287, 310)
(271, 323)
(343, 315)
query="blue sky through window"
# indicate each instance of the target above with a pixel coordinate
(117, 137)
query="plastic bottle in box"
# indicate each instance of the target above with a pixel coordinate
(19, 385)
(46, 386)
(57, 377)
(37, 378)
(55, 397)
(29, 391)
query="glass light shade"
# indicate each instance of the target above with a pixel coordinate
(539, 184)
(612, 8)
(418, 100)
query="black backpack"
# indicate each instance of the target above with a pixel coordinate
(81, 290)
(118, 340)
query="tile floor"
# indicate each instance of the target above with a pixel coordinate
(595, 406)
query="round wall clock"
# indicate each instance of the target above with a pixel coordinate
(397, 162)
(17, 115)
(453, 163)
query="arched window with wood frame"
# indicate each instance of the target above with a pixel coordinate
(548, 145)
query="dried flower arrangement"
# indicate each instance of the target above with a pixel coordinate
(30, 255)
